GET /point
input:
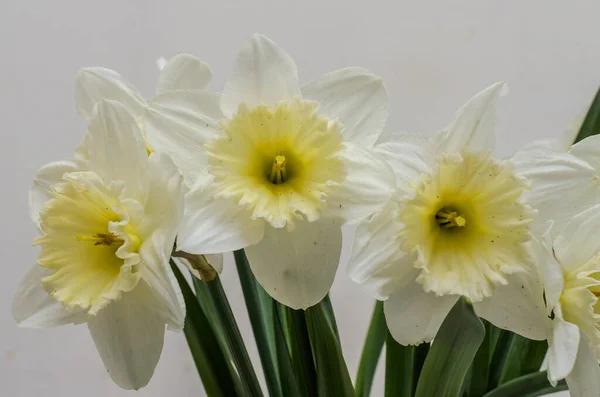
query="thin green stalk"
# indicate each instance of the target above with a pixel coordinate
(531, 385)
(330, 315)
(421, 352)
(301, 351)
(233, 338)
(260, 308)
(500, 358)
(398, 368)
(371, 352)
(480, 367)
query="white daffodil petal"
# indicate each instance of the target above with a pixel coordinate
(33, 308)
(185, 72)
(414, 316)
(556, 178)
(95, 84)
(112, 126)
(473, 125)
(563, 343)
(213, 226)
(584, 379)
(517, 306)
(46, 177)
(409, 155)
(179, 123)
(369, 184)
(549, 269)
(355, 96)
(262, 73)
(129, 336)
(297, 267)
(376, 262)
(578, 242)
(588, 150)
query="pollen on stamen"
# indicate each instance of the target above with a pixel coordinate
(278, 174)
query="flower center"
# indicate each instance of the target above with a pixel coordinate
(466, 225)
(88, 243)
(278, 170)
(449, 219)
(280, 161)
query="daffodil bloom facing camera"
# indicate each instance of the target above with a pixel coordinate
(108, 219)
(457, 226)
(290, 164)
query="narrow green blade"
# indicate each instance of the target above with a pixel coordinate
(451, 353)
(371, 352)
(298, 340)
(479, 371)
(531, 385)
(523, 357)
(260, 308)
(331, 315)
(398, 368)
(591, 123)
(333, 379)
(211, 362)
(421, 353)
(289, 381)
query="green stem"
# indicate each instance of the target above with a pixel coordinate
(233, 338)
(531, 385)
(371, 352)
(301, 351)
(398, 368)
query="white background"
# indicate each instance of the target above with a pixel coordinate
(432, 57)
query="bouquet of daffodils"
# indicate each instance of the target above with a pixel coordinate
(486, 270)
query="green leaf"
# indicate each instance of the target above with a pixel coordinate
(398, 368)
(371, 352)
(232, 337)
(479, 371)
(211, 363)
(591, 123)
(500, 357)
(523, 357)
(298, 340)
(289, 382)
(333, 379)
(451, 353)
(260, 308)
(531, 385)
(421, 353)
(331, 315)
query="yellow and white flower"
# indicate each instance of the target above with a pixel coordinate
(108, 221)
(289, 164)
(457, 226)
(570, 269)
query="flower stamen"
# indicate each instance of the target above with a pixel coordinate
(448, 219)
(278, 175)
(101, 239)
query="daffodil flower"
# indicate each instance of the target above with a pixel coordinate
(289, 164)
(108, 222)
(570, 268)
(457, 226)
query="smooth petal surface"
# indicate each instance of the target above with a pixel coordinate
(409, 155)
(588, 150)
(46, 177)
(414, 316)
(579, 242)
(474, 123)
(556, 178)
(32, 307)
(297, 267)
(517, 307)
(549, 269)
(369, 184)
(584, 379)
(212, 226)
(185, 72)
(376, 263)
(179, 123)
(129, 336)
(355, 96)
(563, 343)
(262, 73)
(95, 84)
(116, 147)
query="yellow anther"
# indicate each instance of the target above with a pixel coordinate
(448, 219)
(278, 170)
(101, 239)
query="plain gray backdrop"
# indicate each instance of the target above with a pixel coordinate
(433, 56)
